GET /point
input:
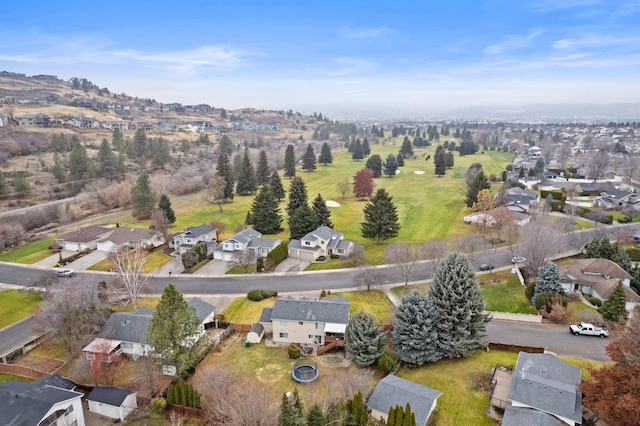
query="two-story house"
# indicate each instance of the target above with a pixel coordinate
(117, 124)
(34, 120)
(323, 241)
(317, 323)
(248, 240)
(83, 123)
(185, 240)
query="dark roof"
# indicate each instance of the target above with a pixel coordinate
(548, 384)
(57, 381)
(393, 390)
(203, 309)
(26, 404)
(84, 235)
(127, 326)
(257, 328)
(335, 310)
(245, 236)
(522, 416)
(195, 231)
(124, 235)
(266, 315)
(109, 395)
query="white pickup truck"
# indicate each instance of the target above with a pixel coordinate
(588, 330)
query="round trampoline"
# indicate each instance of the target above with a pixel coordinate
(305, 371)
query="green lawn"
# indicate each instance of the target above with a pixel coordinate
(154, 260)
(575, 311)
(4, 378)
(16, 305)
(502, 292)
(403, 290)
(374, 302)
(245, 311)
(29, 253)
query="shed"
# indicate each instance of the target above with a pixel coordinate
(112, 402)
(256, 333)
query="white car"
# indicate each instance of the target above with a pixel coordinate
(518, 259)
(64, 272)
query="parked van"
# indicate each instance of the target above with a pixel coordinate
(64, 272)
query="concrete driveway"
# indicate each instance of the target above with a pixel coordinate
(81, 264)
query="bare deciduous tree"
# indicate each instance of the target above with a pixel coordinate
(11, 234)
(548, 150)
(130, 281)
(104, 194)
(368, 277)
(470, 244)
(244, 258)
(564, 153)
(343, 387)
(357, 254)
(214, 193)
(161, 224)
(540, 241)
(433, 250)
(403, 257)
(343, 187)
(598, 165)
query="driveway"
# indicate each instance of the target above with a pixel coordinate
(292, 265)
(81, 264)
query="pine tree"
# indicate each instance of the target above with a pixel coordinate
(58, 170)
(375, 164)
(357, 414)
(289, 162)
(440, 161)
(315, 417)
(276, 185)
(538, 168)
(79, 166)
(165, 205)
(302, 221)
(143, 200)
(289, 414)
(265, 212)
(460, 309)
(117, 140)
(390, 166)
(224, 170)
(262, 170)
(297, 195)
(478, 183)
(106, 160)
(309, 159)
(380, 217)
(547, 281)
(225, 145)
(321, 210)
(415, 333)
(246, 183)
(400, 160)
(364, 338)
(172, 329)
(407, 149)
(449, 158)
(325, 154)
(615, 307)
(356, 150)
(366, 149)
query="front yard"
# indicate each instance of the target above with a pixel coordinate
(502, 292)
(16, 305)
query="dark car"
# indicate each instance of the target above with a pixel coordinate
(486, 267)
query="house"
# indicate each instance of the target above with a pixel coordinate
(393, 390)
(83, 123)
(519, 200)
(493, 217)
(310, 322)
(597, 278)
(34, 120)
(545, 390)
(40, 403)
(113, 125)
(324, 241)
(133, 238)
(615, 199)
(245, 241)
(112, 402)
(126, 332)
(83, 239)
(185, 240)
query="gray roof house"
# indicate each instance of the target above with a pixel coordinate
(83, 238)
(83, 123)
(39, 403)
(246, 240)
(187, 239)
(323, 241)
(126, 332)
(310, 322)
(112, 402)
(130, 237)
(35, 120)
(548, 385)
(393, 390)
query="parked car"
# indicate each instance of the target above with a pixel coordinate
(64, 272)
(518, 259)
(486, 267)
(588, 330)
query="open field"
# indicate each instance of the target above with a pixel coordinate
(16, 305)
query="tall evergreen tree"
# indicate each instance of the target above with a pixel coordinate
(440, 161)
(58, 171)
(117, 140)
(165, 205)
(315, 417)
(276, 185)
(225, 170)
(325, 155)
(356, 411)
(289, 162)
(246, 183)
(309, 159)
(479, 183)
(366, 149)
(415, 331)
(364, 338)
(140, 146)
(289, 413)
(602, 248)
(79, 166)
(262, 170)
(400, 160)
(143, 200)
(407, 149)
(265, 212)
(173, 329)
(321, 210)
(225, 146)
(547, 281)
(390, 166)
(380, 217)
(538, 168)
(297, 195)
(106, 160)
(356, 150)
(615, 307)
(460, 309)
(449, 158)
(302, 221)
(375, 164)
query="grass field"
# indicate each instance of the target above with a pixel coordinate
(16, 305)
(374, 302)
(502, 292)
(4, 378)
(154, 260)
(29, 253)
(245, 311)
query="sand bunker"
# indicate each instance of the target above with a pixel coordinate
(419, 172)
(331, 203)
(398, 172)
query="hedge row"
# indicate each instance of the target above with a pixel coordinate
(258, 295)
(278, 254)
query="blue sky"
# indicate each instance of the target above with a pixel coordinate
(340, 58)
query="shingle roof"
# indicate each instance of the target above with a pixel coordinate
(109, 395)
(127, 326)
(197, 231)
(334, 310)
(245, 236)
(393, 390)
(548, 384)
(265, 316)
(84, 235)
(522, 416)
(263, 242)
(124, 235)
(57, 381)
(203, 309)
(601, 274)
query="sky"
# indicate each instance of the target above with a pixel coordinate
(341, 58)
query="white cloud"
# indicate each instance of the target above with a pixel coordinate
(513, 42)
(594, 40)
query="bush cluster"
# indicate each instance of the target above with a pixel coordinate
(294, 351)
(595, 301)
(183, 394)
(258, 295)
(388, 362)
(194, 256)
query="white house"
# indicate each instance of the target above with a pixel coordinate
(493, 217)
(187, 239)
(118, 124)
(112, 402)
(130, 237)
(83, 239)
(83, 123)
(248, 240)
(323, 241)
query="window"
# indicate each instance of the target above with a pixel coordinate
(311, 336)
(284, 323)
(70, 409)
(126, 345)
(300, 322)
(319, 326)
(284, 335)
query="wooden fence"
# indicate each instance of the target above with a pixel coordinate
(21, 370)
(515, 348)
(185, 412)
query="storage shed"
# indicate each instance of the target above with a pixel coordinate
(112, 402)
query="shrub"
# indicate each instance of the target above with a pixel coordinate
(634, 254)
(529, 290)
(259, 264)
(595, 301)
(158, 405)
(334, 256)
(542, 300)
(255, 295)
(269, 293)
(574, 296)
(323, 294)
(625, 219)
(294, 351)
(278, 254)
(388, 362)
